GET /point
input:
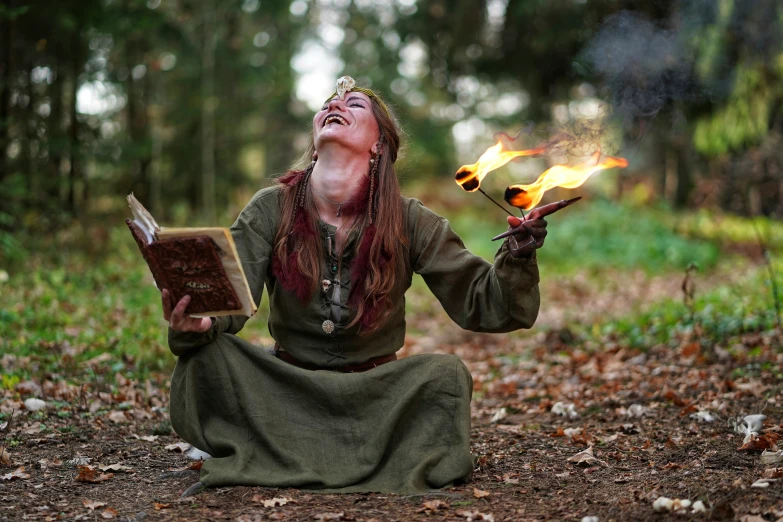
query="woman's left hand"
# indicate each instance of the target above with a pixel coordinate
(522, 245)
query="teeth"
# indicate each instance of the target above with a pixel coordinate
(197, 286)
(335, 119)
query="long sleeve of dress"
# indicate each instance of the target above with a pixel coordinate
(477, 295)
(253, 234)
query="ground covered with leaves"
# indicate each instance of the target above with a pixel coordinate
(628, 401)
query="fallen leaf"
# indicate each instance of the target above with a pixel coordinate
(78, 461)
(92, 504)
(762, 442)
(473, 516)
(703, 416)
(196, 466)
(672, 397)
(501, 414)
(115, 467)
(159, 506)
(109, 513)
(33, 404)
(698, 507)
(773, 473)
(433, 505)
(479, 493)
(771, 457)
(508, 478)
(104, 357)
(565, 409)
(118, 417)
(18, 473)
(90, 475)
(636, 410)
(46, 464)
(763, 483)
(277, 501)
(329, 516)
(585, 457)
(5, 457)
(179, 447)
(559, 433)
(149, 438)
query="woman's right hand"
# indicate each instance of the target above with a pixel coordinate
(178, 319)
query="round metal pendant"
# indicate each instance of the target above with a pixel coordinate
(328, 326)
(325, 284)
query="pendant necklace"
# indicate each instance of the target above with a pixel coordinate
(338, 204)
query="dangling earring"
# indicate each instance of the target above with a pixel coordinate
(374, 161)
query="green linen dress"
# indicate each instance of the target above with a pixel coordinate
(402, 427)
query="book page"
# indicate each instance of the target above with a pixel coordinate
(143, 219)
(231, 263)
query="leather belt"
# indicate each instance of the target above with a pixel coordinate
(351, 368)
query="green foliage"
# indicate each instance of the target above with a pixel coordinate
(718, 316)
(744, 120)
(600, 236)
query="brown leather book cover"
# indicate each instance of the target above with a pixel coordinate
(189, 266)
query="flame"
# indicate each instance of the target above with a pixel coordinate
(528, 196)
(469, 177)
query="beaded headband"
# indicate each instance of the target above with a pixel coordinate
(348, 84)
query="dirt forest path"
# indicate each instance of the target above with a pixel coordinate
(561, 431)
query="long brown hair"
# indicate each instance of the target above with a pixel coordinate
(379, 262)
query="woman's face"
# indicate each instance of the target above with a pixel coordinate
(349, 122)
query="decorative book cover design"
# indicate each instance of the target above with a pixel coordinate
(200, 262)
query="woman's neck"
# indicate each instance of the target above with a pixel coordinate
(337, 180)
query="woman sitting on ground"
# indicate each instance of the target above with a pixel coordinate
(336, 245)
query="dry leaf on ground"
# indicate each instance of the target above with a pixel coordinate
(480, 493)
(277, 501)
(432, 505)
(474, 516)
(760, 443)
(92, 504)
(160, 505)
(90, 475)
(18, 473)
(115, 467)
(179, 447)
(585, 458)
(118, 417)
(109, 513)
(329, 516)
(501, 414)
(773, 473)
(46, 464)
(5, 457)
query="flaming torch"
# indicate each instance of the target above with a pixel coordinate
(528, 196)
(525, 197)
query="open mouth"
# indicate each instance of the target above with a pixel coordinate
(194, 285)
(334, 118)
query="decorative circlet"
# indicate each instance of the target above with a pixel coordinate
(345, 84)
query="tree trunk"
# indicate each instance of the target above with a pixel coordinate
(208, 101)
(54, 137)
(6, 71)
(73, 129)
(684, 175)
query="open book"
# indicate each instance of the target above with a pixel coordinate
(200, 262)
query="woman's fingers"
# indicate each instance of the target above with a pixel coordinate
(179, 321)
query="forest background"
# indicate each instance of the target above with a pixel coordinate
(194, 105)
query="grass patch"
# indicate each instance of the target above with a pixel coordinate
(600, 236)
